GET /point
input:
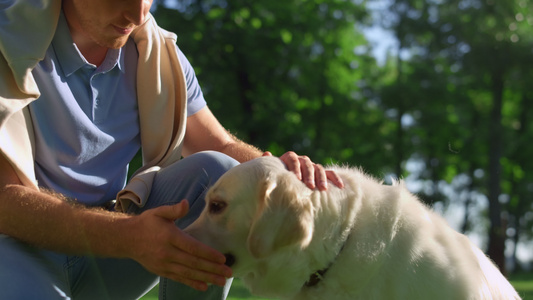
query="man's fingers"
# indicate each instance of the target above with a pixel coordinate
(199, 253)
(313, 175)
(292, 162)
(195, 247)
(335, 178)
(194, 264)
(212, 262)
(321, 179)
(171, 253)
(197, 285)
(182, 273)
(309, 171)
(173, 212)
(195, 271)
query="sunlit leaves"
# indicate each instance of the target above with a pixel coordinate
(286, 36)
(299, 75)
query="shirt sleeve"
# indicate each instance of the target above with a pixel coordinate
(195, 97)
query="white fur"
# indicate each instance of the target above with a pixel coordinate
(377, 241)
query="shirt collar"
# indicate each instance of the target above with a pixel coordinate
(71, 57)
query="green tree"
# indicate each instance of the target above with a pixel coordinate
(292, 75)
(468, 55)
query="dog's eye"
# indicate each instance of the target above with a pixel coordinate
(216, 207)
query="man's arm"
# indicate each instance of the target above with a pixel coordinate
(46, 220)
(204, 132)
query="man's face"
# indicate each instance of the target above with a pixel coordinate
(108, 23)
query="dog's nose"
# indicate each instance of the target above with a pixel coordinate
(230, 259)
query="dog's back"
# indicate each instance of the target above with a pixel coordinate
(399, 249)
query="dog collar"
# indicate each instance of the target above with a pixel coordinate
(316, 277)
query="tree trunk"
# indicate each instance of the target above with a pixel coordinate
(465, 227)
(245, 88)
(399, 148)
(496, 247)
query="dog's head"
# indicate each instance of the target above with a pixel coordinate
(256, 213)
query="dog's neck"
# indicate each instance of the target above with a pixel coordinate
(317, 276)
(348, 209)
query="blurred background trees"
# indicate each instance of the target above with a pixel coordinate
(447, 108)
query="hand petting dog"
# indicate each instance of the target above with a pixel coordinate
(312, 174)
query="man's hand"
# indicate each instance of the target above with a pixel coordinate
(313, 175)
(163, 249)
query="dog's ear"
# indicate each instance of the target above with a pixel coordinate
(284, 217)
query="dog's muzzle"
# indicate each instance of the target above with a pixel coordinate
(230, 259)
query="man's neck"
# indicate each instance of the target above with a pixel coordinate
(92, 51)
(94, 54)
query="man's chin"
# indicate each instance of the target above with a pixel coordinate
(115, 43)
(118, 44)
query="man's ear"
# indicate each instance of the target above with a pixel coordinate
(284, 218)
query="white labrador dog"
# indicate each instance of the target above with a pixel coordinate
(366, 241)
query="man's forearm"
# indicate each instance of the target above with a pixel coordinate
(45, 220)
(241, 151)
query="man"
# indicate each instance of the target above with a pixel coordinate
(84, 84)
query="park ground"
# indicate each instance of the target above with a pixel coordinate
(523, 283)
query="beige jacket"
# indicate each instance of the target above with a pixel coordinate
(161, 89)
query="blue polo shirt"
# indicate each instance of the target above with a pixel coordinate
(86, 120)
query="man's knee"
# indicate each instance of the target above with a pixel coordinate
(211, 162)
(27, 272)
(203, 167)
(188, 178)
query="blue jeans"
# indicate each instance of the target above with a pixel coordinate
(27, 272)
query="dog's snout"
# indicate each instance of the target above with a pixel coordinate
(230, 259)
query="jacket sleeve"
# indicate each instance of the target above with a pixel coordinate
(26, 30)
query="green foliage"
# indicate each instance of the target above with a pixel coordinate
(467, 59)
(299, 75)
(277, 73)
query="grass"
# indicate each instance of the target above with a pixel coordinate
(237, 292)
(523, 283)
